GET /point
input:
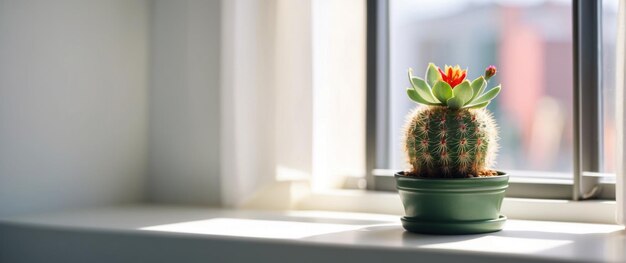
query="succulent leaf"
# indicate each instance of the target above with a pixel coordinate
(463, 92)
(478, 106)
(488, 96)
(432, 74)
(455, 103)
(478, 86)
(423, 90)
(414, 95)
(442, 91)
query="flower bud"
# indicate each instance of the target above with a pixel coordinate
(490, 72)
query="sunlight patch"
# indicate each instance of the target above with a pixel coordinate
(254, 228)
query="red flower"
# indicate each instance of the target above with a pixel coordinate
(455, 75)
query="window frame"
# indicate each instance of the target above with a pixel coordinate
(377, 61)
(585, 182)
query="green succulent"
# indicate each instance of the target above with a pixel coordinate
(451, 89)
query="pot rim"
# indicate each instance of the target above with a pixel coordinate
(452, 185)
(500, 175)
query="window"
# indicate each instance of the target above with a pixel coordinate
(550, 144)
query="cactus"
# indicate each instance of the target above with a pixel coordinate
(452, 135)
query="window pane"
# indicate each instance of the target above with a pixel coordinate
(609, 35)
(531, 44)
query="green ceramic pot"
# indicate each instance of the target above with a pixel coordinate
(452, 205)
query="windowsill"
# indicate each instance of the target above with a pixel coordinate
(297, 195)
(164, 233)
(589, 211)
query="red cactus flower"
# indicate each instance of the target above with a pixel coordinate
(453, 75)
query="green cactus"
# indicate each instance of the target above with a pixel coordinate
(453, 135)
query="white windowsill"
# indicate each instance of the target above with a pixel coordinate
(165, 233)
(297, 195)
(590, 211)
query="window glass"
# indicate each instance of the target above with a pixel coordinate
(531, 44)
(609, 38)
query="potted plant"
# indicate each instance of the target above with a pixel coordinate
(450, 143)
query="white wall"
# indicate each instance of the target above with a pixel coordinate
(73, 103)
(184, 102)
(108, 101)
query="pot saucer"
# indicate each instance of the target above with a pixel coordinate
(453, 227)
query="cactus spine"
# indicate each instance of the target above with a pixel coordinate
(452, 135)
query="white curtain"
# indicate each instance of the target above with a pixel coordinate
(293, 98)
(266, 96)
(621, 113)
(339, 92)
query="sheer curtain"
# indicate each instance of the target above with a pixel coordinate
(293, 98)
(266, 97)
